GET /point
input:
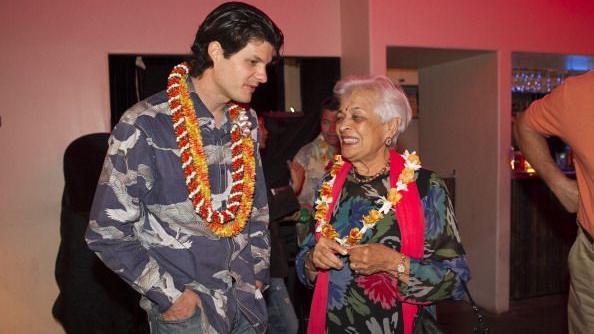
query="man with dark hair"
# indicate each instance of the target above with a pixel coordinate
(180, 211)
(232, 25)
(307, 167)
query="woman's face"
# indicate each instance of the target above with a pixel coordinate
(361, 132)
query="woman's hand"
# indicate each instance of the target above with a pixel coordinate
(324, 255)
(372, 258)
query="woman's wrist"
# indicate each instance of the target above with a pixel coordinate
(310, 268)
(401, 267)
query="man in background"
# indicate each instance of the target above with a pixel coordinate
(568, 112)
(282, 202)
(307, 167)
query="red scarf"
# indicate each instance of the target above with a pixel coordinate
(411, 221)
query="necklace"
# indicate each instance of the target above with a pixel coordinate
(231, 220)
(325, 198)
(360, 179)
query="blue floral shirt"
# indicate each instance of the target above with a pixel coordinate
(143, 226)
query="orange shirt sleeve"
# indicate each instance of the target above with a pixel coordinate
(547, 115)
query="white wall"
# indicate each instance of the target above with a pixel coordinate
(354, 15)
(459, 107)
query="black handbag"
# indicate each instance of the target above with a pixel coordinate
(425, 323)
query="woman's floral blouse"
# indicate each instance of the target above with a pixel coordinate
(369, 304)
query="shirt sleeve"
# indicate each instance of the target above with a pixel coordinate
(125, 178)
(546, 115)
(302, 155)
(440, 273)
(308, 243)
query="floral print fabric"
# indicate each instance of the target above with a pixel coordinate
(372, 304)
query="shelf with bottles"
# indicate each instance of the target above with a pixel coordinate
(531, 84)
(561, 153)
(538, 81)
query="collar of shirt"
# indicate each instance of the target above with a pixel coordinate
(204, 116)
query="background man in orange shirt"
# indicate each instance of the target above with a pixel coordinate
(568, 112)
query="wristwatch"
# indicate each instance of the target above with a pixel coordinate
(401, 267)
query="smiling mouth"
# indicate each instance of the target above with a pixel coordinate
(349, 140)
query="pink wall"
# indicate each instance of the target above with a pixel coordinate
(55, 89)
(532, 25)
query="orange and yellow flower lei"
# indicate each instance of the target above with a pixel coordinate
(230, 221)
(412, 163)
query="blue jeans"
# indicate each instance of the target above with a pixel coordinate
(281, 315)
(192, 325)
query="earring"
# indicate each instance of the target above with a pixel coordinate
(388, 141)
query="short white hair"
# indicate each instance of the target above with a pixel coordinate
(391, 101)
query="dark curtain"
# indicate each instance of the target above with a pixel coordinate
(122, 85)
(154, 78)
(289, 134)
(318, 77)
(130, 83)
(286, 137)
(270, 96)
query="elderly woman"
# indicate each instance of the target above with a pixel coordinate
(385, 239)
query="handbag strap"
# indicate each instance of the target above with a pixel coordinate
(482, 325)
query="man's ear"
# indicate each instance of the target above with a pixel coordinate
(215, 51)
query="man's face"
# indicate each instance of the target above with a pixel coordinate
(237, 77)
(328, 126)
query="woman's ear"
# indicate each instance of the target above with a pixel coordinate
(393, 125)
(215, 51)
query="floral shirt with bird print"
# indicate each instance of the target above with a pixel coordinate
(144, 228)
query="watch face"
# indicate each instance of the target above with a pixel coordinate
(400, 268)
